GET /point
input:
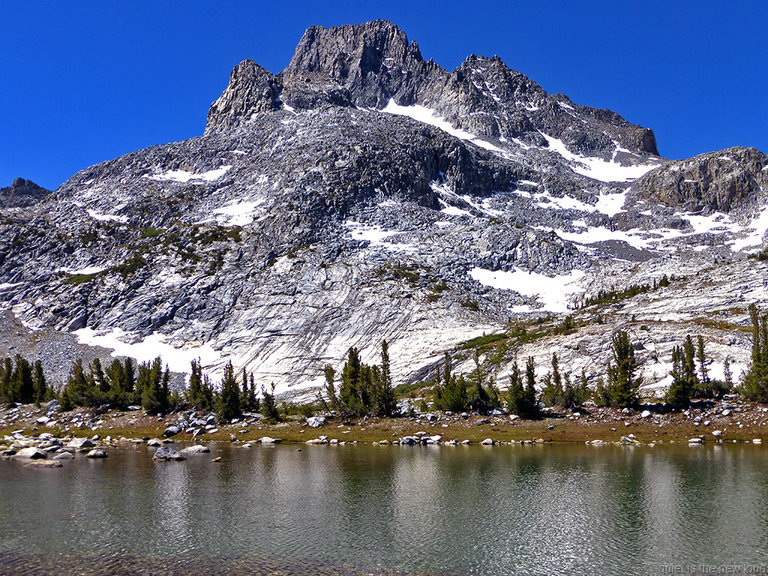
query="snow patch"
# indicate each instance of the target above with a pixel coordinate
(238, 213)
(185, 176)
(597, 168)
(376, 236)
(107, 217)
(87, 270)
(427, 116)
(178, 359)
(552, 291)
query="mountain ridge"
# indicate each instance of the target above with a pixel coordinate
(346, 200)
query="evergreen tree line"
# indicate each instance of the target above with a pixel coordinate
(124, 384)
(363, 390)
(690, 375)
(457, 393)
(23, 382)
(755, 386)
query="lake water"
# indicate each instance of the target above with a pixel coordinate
(553, 509)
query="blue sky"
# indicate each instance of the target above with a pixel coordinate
(88, 81)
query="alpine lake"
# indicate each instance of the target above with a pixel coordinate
(363, 509)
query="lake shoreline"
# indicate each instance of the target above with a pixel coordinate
(710, 422)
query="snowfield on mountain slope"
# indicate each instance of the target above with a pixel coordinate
(552, 291)
(186, 176)
(597, 168)
(427, 116)
(147, 349)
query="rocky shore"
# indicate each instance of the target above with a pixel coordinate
(44, 437)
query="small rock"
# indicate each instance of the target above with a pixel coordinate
(726, 412)
(96, 453)
(196, 449)
(717, 432)
(63, 456)
(31, 454)
(645, 414)
(165, 453)
(171, 431)
(694, 440)
(488, 442)
(757, 441)
(316, 421)
(217, 459)
(155, 442)
(42, 464)
(80, 443)
(268, 440)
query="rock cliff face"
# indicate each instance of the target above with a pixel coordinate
(21, 194)
(364, 193)
(713, 182)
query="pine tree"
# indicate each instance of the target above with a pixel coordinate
(269, 406)
(574, 395)
(755, 385)
(622, 386)
(478, 396)
(385, 402)
(727, 376)
(552, 393)
(518, 400)
(195, 388)
(451, 392)
(23, 381)
(40, 385)
(129, 375)
(153, 384)
(330, 386)
(76, 390)
(6, 375)
(228, 399)
(530, 386)
(354, 392)
(679, 392)
(701, 357)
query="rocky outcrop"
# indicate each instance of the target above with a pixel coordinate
(714, 182)
(252, 90)
(372, 64)
(21, 194)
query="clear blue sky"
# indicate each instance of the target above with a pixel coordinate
(88, 81)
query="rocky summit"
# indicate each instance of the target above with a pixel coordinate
(364, 193)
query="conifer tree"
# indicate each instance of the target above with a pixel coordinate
(40, 385)
(330, 386)
(385, 403)
(530, 386)
(228, 399)
(77, 388)
(727, 376)
(755, 386)
(622, 386)
(6, 376)
(153, 384)
(268, 405)
(519, 399)
(23, 381)
(552, 393)
(679, 392)
(195, 388)
(451, 393)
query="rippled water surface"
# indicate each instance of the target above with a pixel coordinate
(555, 509)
